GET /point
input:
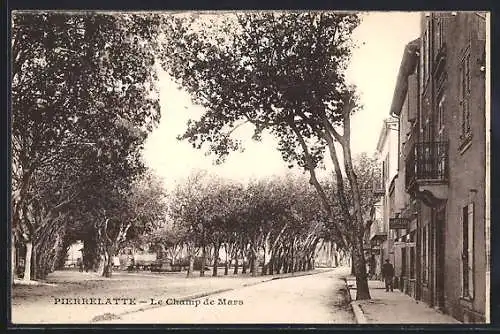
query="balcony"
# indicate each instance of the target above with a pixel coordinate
(427, 170)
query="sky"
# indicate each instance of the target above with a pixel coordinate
(381, 38)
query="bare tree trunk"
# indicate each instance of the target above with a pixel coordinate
(191, 266)
(216, 258)
(226, 265)
(253, 266)
(203, 260)
(101, 265)
(13, 262)
(27, 262)
(108, 262)
(362, 290)
(235, 272)
(353, 269)
(244, 267)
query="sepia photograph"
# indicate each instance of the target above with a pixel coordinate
(250, 167)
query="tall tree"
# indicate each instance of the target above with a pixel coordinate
(284, 73)
(83, 95)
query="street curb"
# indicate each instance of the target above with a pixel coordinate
(356, 307)
(358, 313)
(199, 295)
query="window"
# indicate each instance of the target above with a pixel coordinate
(427, 51)
(425, 59)
(425, 259)
(440, 32)
(439, 37)
(468, 251)
(465, 84)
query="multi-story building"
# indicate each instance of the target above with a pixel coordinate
(439, 217)
(387, 151)
(377, 237)
(403, 216)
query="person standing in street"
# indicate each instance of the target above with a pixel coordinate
(388, 274)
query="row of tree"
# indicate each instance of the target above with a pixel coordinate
(275, 222)
(282, 72)
(83, 100)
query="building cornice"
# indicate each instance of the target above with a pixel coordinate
(383, 132)
(407, 67)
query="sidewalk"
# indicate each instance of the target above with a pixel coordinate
(392, 307)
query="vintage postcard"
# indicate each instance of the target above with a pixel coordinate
(250, 167)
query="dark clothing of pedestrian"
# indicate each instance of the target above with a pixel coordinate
(388, 274)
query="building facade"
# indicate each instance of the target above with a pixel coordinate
(387, 151)
(438, 222)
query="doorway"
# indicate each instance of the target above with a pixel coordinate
(440, 221)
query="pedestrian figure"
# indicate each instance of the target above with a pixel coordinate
(388, 274)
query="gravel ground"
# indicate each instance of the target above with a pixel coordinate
(44, 304)
(314, 299)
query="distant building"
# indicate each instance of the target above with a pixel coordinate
(387, 150)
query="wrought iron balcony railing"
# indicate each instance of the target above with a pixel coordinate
(427, 162)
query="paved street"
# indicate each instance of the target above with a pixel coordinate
(306, 299)
(37, 304)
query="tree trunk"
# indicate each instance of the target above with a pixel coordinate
(236, 266)
(244, 267)
(13, 262)
(33, 263)
(264, 269)
(203, 260)
(362, 290)
(226, 265)
(100, 265)
(27, 262)
(107, 264)
(191, 266)
(353, 269)
(245, 263)
(216, 259)
(253, 267)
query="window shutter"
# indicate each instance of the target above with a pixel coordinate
(470, 249)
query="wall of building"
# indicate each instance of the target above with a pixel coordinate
(467, 175)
